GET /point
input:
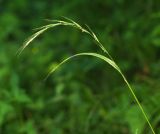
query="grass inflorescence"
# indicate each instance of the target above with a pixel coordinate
(106, 57)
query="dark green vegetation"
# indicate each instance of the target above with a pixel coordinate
(85, 96)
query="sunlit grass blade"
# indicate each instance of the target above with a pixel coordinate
(110, 62)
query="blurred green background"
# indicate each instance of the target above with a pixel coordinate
(85, 96)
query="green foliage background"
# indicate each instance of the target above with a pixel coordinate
(85, 96)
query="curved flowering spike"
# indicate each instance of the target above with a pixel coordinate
(35, 35)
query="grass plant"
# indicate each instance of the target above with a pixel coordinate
(105, 57)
